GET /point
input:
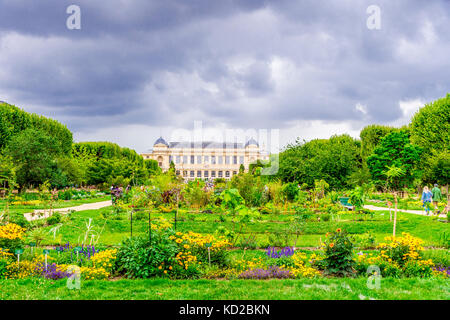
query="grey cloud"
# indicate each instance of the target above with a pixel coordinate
(169, 63)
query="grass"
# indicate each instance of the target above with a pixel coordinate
(165, 289)
(114, 231)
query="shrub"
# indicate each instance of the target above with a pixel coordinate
(54, 218)
(338, 254)
(290, 191)
(138, 258)
(401, 249)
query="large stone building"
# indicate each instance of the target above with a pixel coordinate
(205, 160)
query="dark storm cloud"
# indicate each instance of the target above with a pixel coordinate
(259, 64)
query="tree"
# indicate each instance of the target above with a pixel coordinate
(430, 126)
(14, 120)
(152, 167)
(371, 136)
(34, 153)
(395, 150)
(430, 129)
(332, 160)
(394, 175)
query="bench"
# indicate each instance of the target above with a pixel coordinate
(344, 202)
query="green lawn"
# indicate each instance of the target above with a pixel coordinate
(164, 289)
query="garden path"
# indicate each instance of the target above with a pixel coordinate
(45, 213)
(421, 212)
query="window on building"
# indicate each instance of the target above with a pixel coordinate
(199, 159)
(192, 174)
(192, 159)
(213, 159)
(220, 159)
(234, 159)
(184, 173)
(185, 159)
(206, 174)
(220, 174)
(227, 160)
(160, 164)
(234, 173)
(178, 172)
(206, 159)
(213, 174)
(199, 174)
(227, 174)
(241, 160)
(178, 159)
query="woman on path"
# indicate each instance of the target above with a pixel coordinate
(426, 199)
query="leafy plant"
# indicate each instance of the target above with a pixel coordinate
(339, 254)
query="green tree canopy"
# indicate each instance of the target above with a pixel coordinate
(14, 120)
(394, 150)
(34, 153)
(430, 126)
(332, 160)
(371, 136)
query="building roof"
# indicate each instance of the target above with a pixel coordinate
(161, 141)
(207, 145)
(252, 142)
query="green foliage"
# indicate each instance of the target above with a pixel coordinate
(291, 191)
(436, 168)
(231, 200)
(394, 150)
(371, 136)
(331, 159)
(430, 126)
(138, 258)
(195, 194)
(358, 197)
(14, 120)
(251, 188)
(339, 254)
(105, 162)
(54, 219)
(34, 154)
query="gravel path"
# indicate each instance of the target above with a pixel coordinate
(42, 214)
(420, 212)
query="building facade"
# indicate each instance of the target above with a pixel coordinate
(205, 160)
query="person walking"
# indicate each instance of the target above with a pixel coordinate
(426, 199)
(437, 196)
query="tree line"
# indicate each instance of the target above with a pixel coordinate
(410, 156)
(35, 149)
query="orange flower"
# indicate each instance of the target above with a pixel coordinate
(331, 245)
(338, 230)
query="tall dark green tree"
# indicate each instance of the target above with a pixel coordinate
(395, 150)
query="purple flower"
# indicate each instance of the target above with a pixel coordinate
(286, 252)
(273, 272)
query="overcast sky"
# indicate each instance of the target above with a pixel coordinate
(138, 69)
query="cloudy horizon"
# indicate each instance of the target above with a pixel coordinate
(140, 69)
